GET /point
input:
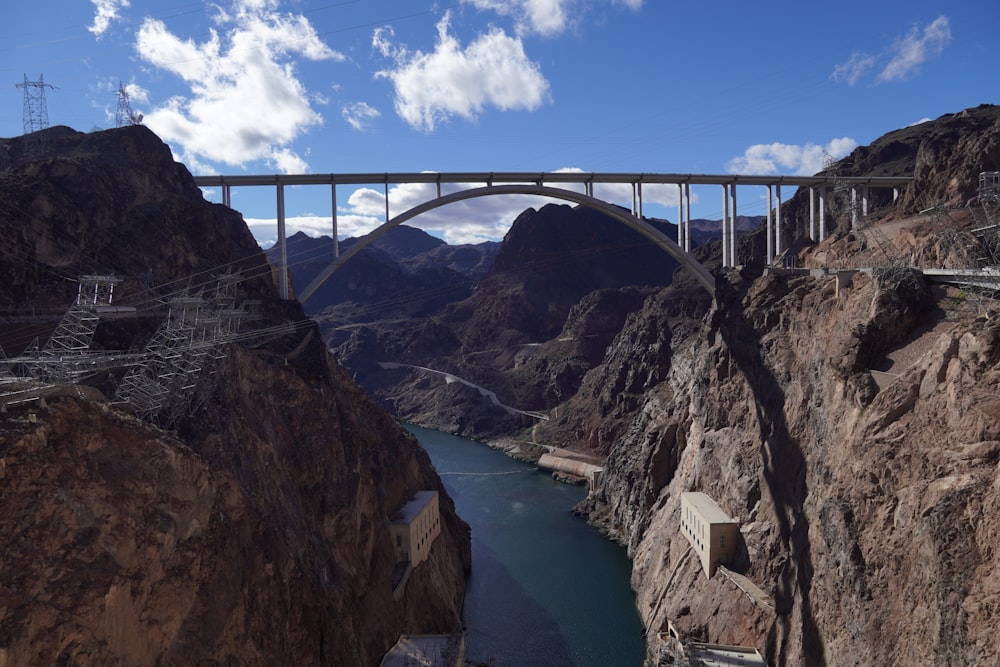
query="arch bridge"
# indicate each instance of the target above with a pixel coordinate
(577, 187)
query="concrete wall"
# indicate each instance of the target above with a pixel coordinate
(587, 471)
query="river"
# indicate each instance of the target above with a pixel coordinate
(545, 588)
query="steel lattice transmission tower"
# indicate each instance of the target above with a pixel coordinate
(36, 113)
(125, 115)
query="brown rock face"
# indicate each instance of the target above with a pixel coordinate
(257, 532)
(869, 515)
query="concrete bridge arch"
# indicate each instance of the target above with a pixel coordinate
(655, 236)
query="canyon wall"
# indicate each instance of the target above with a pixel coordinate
(868, 514)
(254, 531)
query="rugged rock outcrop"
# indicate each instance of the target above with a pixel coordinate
(254, 533)
(868, 515)
(944, 156)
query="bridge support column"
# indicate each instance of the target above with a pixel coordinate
(854, 207)
(733, 257)
(680, 215)
(226, 196)
(687, 217)
(725, 225)
(282, 247)
(777, 220)
(812, 213)
(333, 217)
(635, 208)
(769, 225)
(822, 213)
(864, 202)
(639, 214)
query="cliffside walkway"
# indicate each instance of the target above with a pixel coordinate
(752, 591)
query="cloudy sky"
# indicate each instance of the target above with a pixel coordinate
(295, 86)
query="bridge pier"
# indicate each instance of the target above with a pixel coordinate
(822, 213)
(680, 215)
(282, 247)
(733, 258)
(812, 213)
(854, 207)
(769, 226)
(777, 220)
(687, 217)
(725, 225)
(333, 219)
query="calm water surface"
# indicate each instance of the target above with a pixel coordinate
(545, 589)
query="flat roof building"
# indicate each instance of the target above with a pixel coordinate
(710, 531)
(414, 526)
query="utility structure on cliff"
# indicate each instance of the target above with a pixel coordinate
(124, 115)
(173, 375)
(36, 112)
(986, 211)
(66, 357)
(178, 365)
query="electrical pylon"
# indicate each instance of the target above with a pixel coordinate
(36, 112)
(125, 115)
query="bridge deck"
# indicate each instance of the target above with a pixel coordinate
(539, 177)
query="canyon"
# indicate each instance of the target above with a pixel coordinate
(850, 425)
(846, 415)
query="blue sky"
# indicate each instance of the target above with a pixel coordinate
(266, 86)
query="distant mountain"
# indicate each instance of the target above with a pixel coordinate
(405, 274)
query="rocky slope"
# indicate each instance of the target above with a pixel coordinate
(256, 532)
(869, 516)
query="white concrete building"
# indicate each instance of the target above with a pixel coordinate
(414, 526)
(710, 531)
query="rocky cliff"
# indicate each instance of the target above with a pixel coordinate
(852, 428)
(255, 532)
(867, 512)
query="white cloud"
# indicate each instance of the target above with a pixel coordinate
(543, 17)
(916, 48)
(778, 158)
(136, 93)
(246, 101)
(107, 11)
(902, 59)
(359, 114)
(852, 71)
(430, 88)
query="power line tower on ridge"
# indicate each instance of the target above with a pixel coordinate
(36, 113)
(125, 115)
